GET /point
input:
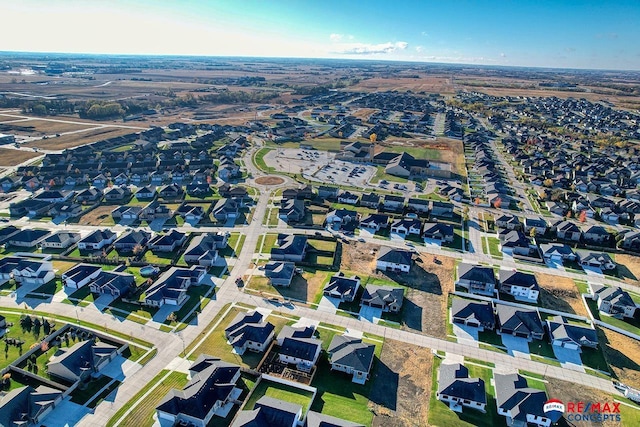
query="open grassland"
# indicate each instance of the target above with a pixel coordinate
(10, 157)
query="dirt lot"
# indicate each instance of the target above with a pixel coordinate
(80, 138)
(269, 180)
(568, 392)
(629, 268)
(427, 284)
(560, 293)
(96, 216)
(401, 386)
(35, 127)
(9, 157)
(623, 356)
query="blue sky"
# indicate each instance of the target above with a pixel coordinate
(561, 33)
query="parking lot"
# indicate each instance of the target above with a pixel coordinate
(319, 166)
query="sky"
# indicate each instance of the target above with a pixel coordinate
(535, 33)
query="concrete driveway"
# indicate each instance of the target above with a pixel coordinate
(552, 263)
(569, 359)
(329, 304)
(370, 314)
(467, 333)
(516, 346)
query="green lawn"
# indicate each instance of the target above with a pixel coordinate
(258, 160)
(29, 337)
(282, 392)
(494, 247)
(323, 245)
(629, 325)
(268, 242)
(158, 258)
(142, 414)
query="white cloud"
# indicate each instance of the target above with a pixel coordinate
(369, 48)
(503, 55)
(336, 37)
(419, 49)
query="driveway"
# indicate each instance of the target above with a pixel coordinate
(569, 359)
(434, 243)
(467, 333)
(593, 271)
(370, 314)
(329, 304)
(367, 233)
(553, 263)
(103, 301)
(516, 346)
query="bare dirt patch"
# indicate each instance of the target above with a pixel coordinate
(401, 385)
(428, 284)
(623, 355)
(629, 268)
(96, 216)
(79, 138)
(38, 127)
(568, 392)
(9, 157)
(269, 180)
(560, 293)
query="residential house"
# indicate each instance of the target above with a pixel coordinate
(477, 314)
(567, 230)
(476, 279)
(597, 260)
(418, 205)
(326, 192)
(97, 240)
(210, 392)
(60, 240)
(113, 283)
(522, 286)
(519, 322)
(352, 356)
(171, 192)
(172, 286)
(406, 226)
(596, 235)
(386, 298)
(290, 247)
(248, 331)
(608, 215)
(393, 203)
(26, 271)
(28, 238)
(80, 361)
(126, 213)
(91, 194)
(348, 198)
(131, 241)
(203, 249)
(437, 231)
(7, 232)
(395, 260)
(299, 347)
(375, 222)
(570, 335)
(441, 209)
(117, 194)
(370, 200)
(613, 301)
(540, 225)
(225, 209)
(344, 219)
(167, 242)
(510, 222)
(192, 214)
(272, 413)
(458, 390)
(631, 241)
(80, 275)
(146, 193)
(280, 273)
(557, 252)
(342, 287)
(519, 403)
(291, 210)
(28, 406)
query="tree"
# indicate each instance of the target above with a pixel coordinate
(533, 232)
(547, 183)
(373, 137)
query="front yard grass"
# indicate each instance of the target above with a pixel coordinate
(494, 247)
(142, 414)
(29, 337)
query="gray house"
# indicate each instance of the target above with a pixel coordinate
(519, 403)
(478, 314)
(352, 356)
(458, 390)
(613, 301)
(280, 273)
(476, 279)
